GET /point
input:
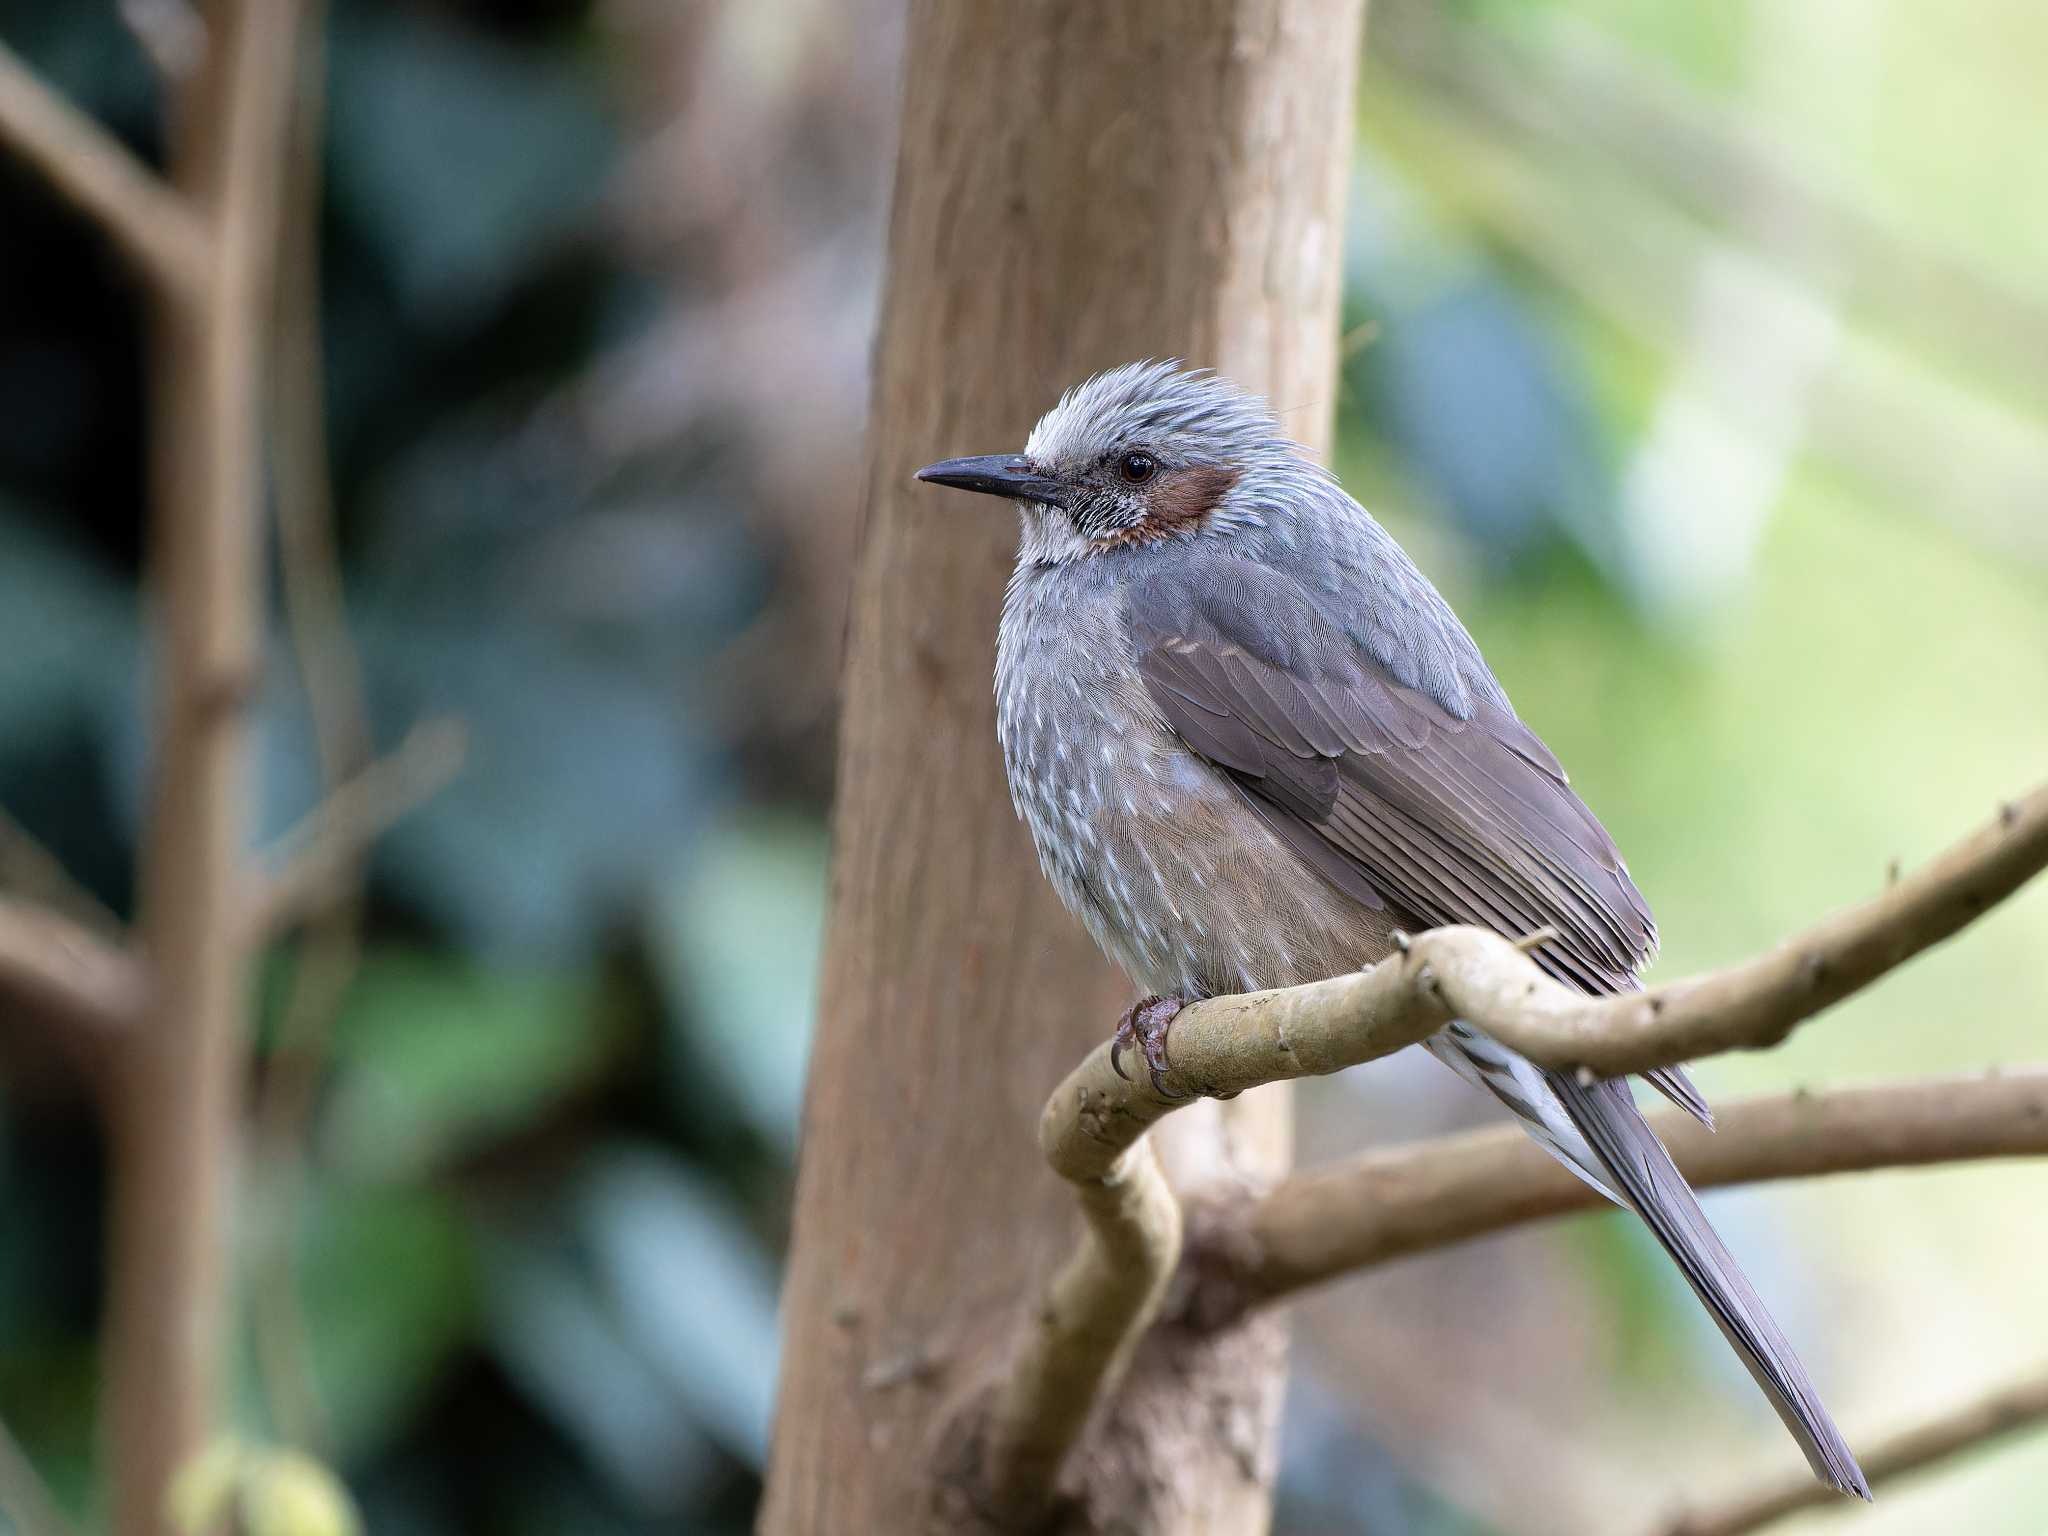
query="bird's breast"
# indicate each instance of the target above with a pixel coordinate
(1176, 877)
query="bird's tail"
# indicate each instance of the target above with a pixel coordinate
(1639, 1168)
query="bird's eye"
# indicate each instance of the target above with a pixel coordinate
(1137, 468)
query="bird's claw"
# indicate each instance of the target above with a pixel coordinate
(1144, 1026)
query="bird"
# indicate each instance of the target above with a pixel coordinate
(1253, 747)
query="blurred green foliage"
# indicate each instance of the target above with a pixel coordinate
(508, 1182)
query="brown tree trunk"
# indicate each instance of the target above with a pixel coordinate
(1078, 185)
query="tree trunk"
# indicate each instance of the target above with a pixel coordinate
(1077, 185)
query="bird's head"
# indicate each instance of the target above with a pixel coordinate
(1139, 455)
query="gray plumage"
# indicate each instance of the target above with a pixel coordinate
(1250, 741)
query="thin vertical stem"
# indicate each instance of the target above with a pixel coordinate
(174, 1108)
(317, 623)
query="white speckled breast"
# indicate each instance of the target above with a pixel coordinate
(1177, 878)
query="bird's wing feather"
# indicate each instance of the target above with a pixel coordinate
(1436, 801)
(1409, 777)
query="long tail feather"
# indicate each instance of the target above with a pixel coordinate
(1636, 1162)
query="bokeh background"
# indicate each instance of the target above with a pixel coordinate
(1701, 355)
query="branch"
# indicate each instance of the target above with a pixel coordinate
(59, 968)
(1400, 1200)
(1996, 1414)
(152, 225)
(1753, 1004)
(317, 860)
(1225, 1045)
(175, 1110)
(1081, 1338)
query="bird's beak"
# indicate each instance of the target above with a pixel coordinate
(996, 474)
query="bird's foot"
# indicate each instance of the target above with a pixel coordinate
(1144, 1026)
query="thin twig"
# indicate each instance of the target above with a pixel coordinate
(151, 224)
(1226, 1045)
(2003, 1411)
(316, 860)
(1425, 1195)
(317, 621)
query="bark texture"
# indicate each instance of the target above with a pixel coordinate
(1077, 186)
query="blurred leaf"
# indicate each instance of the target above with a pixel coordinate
(448, 514)
(579, 785)
(460, 154)
(692, 1290)
(1486, 413)
(495, 512)
(556, 1335)
(68, 638)
(1492, 417)
(71, 706)
(50, 1364)
(738, 939)
(387, 1290)
(435, 1055)
(557, 624)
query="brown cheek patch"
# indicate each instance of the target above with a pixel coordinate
(1180, 500)
(1189, 495)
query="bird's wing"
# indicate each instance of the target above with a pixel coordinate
(1428, 797)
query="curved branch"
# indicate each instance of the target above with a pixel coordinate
(1400, 1200)
(2018, 1405)
(1078, 1344)
(1228, 1044)
(1225, 1045)
(153, 226)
